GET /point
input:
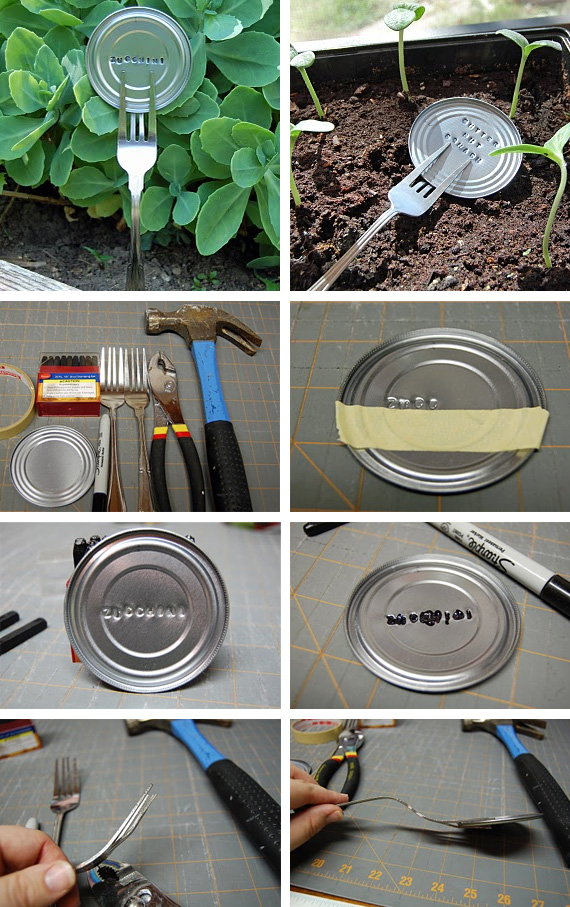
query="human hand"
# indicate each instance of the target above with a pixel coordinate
(320, 806)
(34, 872)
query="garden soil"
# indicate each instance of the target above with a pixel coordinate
(343, 177)
(39, 237)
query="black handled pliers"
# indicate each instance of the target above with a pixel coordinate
(164, 386)
(349, 742)
(115, 884)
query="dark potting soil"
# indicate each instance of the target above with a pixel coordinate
(38, 236)
(493, 243)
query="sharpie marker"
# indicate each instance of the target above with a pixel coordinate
(550, 587)
(102, 470)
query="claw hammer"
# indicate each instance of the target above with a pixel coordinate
(199, 325)
(544, 791)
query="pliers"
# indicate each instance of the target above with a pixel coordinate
(115, 884)
(163, 383)
(349, 741)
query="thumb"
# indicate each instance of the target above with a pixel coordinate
(37, 886)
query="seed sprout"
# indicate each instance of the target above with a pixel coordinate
(302, 61)
(398, 19)
(296, 130)
(526, 50)
(553, 149)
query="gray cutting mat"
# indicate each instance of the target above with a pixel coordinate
(324, 570)
(250, 385)
(35, 564)
(328, 338)
(388, 857)
(187, 843)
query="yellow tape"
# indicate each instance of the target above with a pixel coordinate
(10, 372)
(313, 730)
(477, 430)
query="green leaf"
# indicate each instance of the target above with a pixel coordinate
(62, 161)
(246, 169)
(251, 58)
(221, 28)
(266, 261)
(93, 148)
(74, 64)
(186, 208)
(97, 14)
(267, 192)
(47, 67)
(16, 16)
(220, 218)
(185, 125)
(86, 183)
(558, 140)
(403, 14)
(199, 61)
(205, 162)
(175, 165)
(28, 169)
(205, 190)
(100, 117)
(57, 95)
(21, 49)
(536, 44)
(248, 135)
(156, 206)
(7, 105)
(208, 87)
(247, 11)
(271, 94)
(514, 36)
(61, 14)
(22, 134)
(222, 84)
(82, 90)
(25, 91)
(216, 139)
(61, 40)
(302, 60)
(270, 23)
(107, 207)
(178, 8)
(244, 103)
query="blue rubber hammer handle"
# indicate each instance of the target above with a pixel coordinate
(256, 811)
(225, 462)
(544, 791)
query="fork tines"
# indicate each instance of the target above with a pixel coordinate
(136, 380)
(66, 785)
(137, 119)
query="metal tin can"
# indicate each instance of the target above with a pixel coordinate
(146, 610)
(432, 623)
(53, 466)
(135, 42)
(442, 369)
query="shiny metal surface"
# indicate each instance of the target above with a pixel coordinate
(481, 822)
(53, 466)
(137, 41)
(475, 128)
(442, 369)
(426, 652)
(146, 610)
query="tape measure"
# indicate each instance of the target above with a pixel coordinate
(301, 899)
(314, 730)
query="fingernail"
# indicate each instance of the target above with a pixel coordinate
(335, 816)
(60, 877)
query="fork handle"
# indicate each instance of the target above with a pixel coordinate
(146, 498)
(115, 497)
(329, 277)
(135, 269)
(56, 834)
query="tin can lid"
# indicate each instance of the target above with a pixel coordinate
(53, 466)
(474, 128)
(432, 623)
(137, 41)
(146, 610)
(448, 369)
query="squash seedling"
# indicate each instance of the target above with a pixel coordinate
(398, 19)
(302, 61)
(553, 149)
(296, 130)
(526, 50)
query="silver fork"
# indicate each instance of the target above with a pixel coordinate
(136, 396)
(136, 153)
(414, 195)
(112, 396)
(66, 794)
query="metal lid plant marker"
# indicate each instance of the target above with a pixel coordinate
(553, 149)
(302, 61)
(296, 130)
(526, 48)
(398, 19)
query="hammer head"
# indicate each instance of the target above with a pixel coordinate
(140, 725)
(203, 322)
(491, 724)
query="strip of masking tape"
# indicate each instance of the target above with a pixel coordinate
(473, 430)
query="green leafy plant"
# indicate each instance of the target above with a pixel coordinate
(100, 257)
(296, 130)
(205, 281)
(302, 61)
(218, 163)
(398, 19)
(553, 149)
(526, 50)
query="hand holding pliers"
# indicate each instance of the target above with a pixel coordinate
(116, 884)
(349, 742)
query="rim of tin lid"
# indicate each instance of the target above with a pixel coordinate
(475, 128)
(160, 45)
(54, 477)
(464, 668)
(445, 472)
(107, 639)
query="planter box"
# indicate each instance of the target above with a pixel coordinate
(344, 176)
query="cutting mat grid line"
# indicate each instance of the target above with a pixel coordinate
(35, 565)
(328, 338)
(324, 570)
(250, 385)
(383, 855)
(187, 843)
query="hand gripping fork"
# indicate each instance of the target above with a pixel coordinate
(414, 195)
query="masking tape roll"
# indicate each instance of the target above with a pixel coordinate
(8, 372)
(314, 730)
(473, 430)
